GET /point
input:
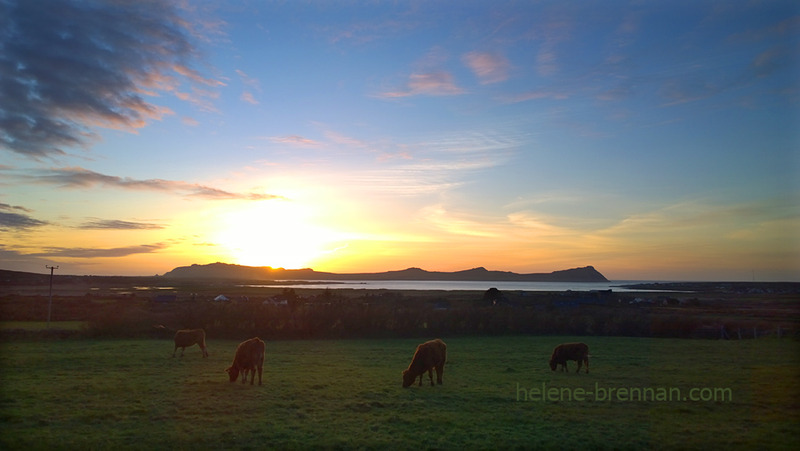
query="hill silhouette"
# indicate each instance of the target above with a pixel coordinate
(239, 272)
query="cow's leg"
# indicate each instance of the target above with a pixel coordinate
(182, 350)
(252, 375)
(580, 362)
(260, 368)
(439, 373)
(430, 375)
(174, 350)
(420, 378)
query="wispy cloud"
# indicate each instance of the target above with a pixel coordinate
(538, 226)
(691, 88)
(117, 224)
(248, 97)
(429, 77)
(251, 84)
(432, 84)
(534, 95)
(552, 34)
(294, 140)
(437, 165)
(697, 214)
(369, 31)
(700, 229)
(248, 80)
(459, 224)
(781, 28)
(76, 177)
(339, 138)
(67, 67)
(488, 67)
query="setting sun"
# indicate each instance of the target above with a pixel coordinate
(280, 234)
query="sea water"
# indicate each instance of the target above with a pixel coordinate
(453, 285)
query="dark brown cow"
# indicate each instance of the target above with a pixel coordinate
(249, 357)
(190, 337)
(570, 351)
(429, 355)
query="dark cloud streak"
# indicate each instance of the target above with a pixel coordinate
(14, 207)
(18, 261)
(67, 67)
(82, 252)
(18, 221)
(10, 220)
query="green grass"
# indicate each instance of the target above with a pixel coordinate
(132, 394)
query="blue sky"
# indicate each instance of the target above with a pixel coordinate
(652, 140)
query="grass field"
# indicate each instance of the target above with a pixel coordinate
(131, 394)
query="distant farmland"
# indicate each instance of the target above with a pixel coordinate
(110, 308)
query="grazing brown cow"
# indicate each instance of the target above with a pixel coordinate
(190, 337)
(429, 355)
(249, 357)
(570, 351)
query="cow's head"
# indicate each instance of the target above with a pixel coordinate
(233, 373)
(408, 378)
(555, 358)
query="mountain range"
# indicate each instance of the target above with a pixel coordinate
(238, 272)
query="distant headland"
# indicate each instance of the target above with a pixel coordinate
(239, 272)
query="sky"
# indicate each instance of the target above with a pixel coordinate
(653, 140)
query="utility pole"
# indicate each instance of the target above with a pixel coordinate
(50, 304)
